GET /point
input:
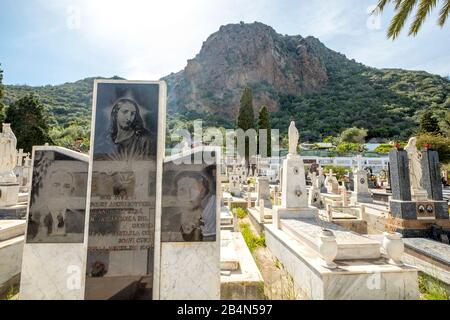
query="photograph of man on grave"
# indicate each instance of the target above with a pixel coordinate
(123, 122)
(58, 199)
(189, 205)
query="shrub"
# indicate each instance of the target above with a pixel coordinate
(438, 143)
(253, 241)
(240, 212)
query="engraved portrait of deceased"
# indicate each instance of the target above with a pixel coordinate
(189, 203)
(123, 191)
(58, 198)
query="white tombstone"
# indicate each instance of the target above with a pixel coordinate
(264, 191)
(54, 253)
(294, 196)
(314, 198)
(331, 183)
(235, 185)
(361, 187)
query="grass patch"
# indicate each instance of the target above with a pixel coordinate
(11, 294)
(431, 288)
(240, 212)
(253, 241)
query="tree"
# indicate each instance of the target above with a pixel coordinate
(438, 143)
(29, 122)
(384, 148)
(428, 124)
(404, 9)
(246, 117)
(353, 135)
(350, 147)
(264, 123)
(1, 96)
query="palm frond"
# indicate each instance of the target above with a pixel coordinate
(404, 9)
(425, 7)
(444, 13)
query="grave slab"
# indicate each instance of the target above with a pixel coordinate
(372, 279)
(350, 244)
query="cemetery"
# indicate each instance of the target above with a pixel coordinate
(127, 221)
(308, 160)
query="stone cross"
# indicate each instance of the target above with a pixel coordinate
(359, 162)
(20, 157)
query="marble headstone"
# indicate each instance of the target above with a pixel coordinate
(127, 146)
(264, 192)
(431, 175)
(54, 251)
(190, 226)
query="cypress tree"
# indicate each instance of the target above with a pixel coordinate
(246, 117)
(264, 123)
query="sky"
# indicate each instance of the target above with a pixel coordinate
(56, 41)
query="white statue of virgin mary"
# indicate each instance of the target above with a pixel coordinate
(8, 154)
(293, 139)
(415, 168)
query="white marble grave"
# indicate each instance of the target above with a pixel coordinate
(53, 265)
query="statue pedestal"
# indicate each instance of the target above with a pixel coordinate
(9, 194)
(294, 198)
(294, 194)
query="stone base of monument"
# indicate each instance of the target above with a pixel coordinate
(11, 246)
(240, 277)
(423, 210)
(414, 228)
(361, 198)
(9, 194)
(369, 279)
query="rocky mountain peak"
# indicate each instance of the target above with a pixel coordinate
(241, 55)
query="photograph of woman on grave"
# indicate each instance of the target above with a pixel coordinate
(191, 215)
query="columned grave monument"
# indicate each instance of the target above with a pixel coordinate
(416, 207)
